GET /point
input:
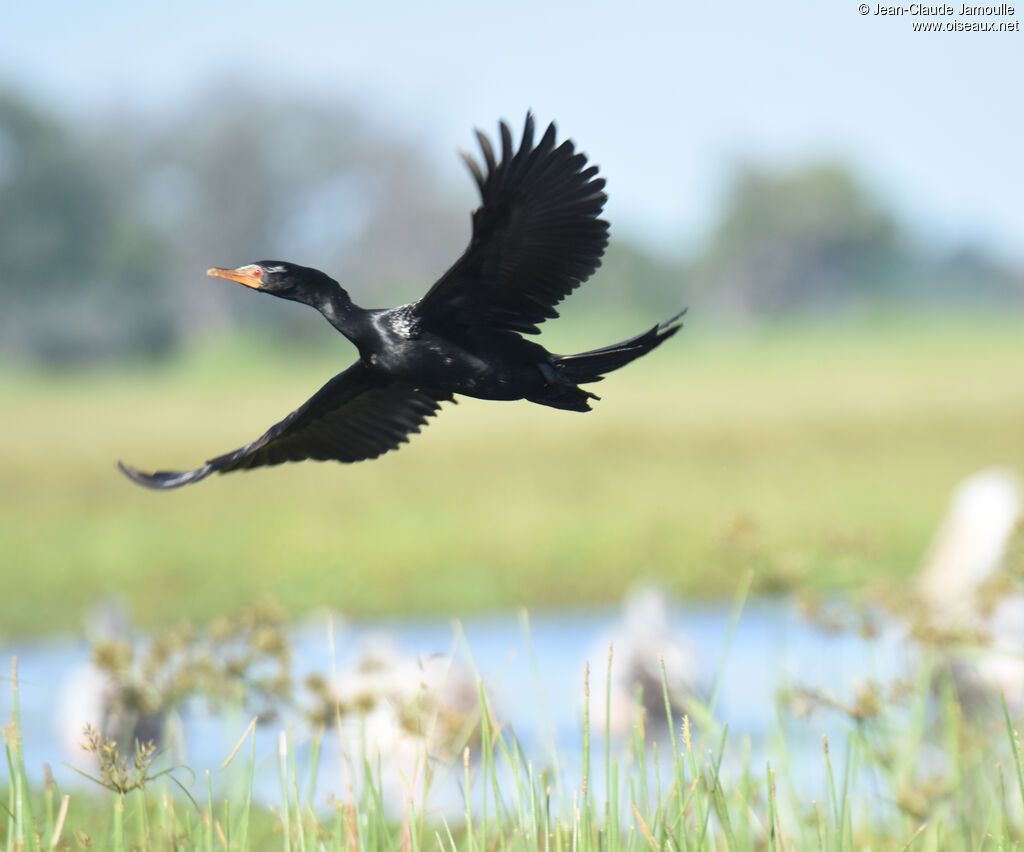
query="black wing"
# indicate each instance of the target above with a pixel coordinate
(357, 415)
(536, 237)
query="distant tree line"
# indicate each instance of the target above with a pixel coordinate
(108, 228)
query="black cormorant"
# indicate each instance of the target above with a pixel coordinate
(536, 236)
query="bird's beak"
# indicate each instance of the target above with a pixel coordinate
(247, 275)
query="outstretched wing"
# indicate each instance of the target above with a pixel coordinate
(536, 237)
(357, 415)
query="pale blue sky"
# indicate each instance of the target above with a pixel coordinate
(665, 96)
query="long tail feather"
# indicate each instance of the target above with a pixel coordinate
(591, 366)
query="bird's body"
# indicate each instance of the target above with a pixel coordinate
(470, 361)
(536, 237)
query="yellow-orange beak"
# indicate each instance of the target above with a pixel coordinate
(248, 275)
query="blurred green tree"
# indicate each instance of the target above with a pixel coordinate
(74, 256)
(632, 280)
(806, 241)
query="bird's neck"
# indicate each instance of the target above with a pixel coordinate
(341, 312)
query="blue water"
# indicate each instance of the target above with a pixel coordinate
(535, 684)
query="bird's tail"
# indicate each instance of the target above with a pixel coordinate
(592, 366)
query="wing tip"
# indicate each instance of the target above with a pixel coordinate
(474, 169)
(164, 480)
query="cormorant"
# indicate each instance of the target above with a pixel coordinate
(536, 236)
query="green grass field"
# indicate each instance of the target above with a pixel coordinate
(821, 456)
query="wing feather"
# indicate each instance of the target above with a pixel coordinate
(536, 236)
(357, 415)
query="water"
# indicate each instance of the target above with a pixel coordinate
(534, 683)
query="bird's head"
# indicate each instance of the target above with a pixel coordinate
(283, 279)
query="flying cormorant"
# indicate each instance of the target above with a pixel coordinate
(536, 236)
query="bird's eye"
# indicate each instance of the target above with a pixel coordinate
(257, 272)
